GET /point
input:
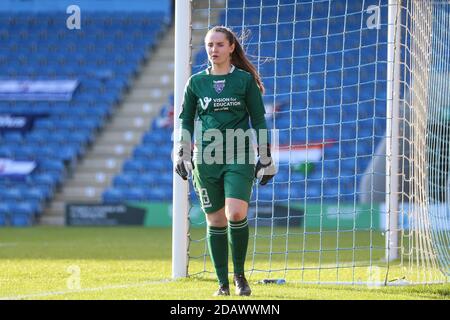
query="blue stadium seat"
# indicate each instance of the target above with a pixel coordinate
(317, 63)
(124, 180)
(265, 194)
(113, 196)
(313, 190)
(285, 30)
(22, 216)
(47, 179)
(134, 194)
(333, 79)
(159, 194)
(23, 152)
(5, 211)
(37, 137)
(3, 219)
(10, 194)
(45, 124)
(332, 115)
(132, 165)
(13, 137)
(148, 179)
(34, 194)
(282, 191)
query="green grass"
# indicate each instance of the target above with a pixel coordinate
(135, 263)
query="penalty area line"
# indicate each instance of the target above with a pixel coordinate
(69, 291)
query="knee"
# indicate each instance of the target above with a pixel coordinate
(216, 219)
(236, 215)
(235, 209)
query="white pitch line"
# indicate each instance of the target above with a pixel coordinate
(8, 244)
(54, 293)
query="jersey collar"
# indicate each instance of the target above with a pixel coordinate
(208, 70)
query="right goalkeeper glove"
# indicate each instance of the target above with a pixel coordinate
(265, 168)
(183, 160)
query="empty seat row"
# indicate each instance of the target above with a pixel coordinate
(102, 57)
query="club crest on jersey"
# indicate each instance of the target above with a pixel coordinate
(219, 85)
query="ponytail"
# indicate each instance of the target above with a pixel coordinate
(238, 57)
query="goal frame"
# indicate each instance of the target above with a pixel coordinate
(182, 72)
(180, 203)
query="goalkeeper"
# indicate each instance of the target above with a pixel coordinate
(225, 96)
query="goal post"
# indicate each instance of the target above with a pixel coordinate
(392, 128)
(358, 92)
(180, 204)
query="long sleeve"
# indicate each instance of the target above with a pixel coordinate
(256, 110)
(188, 111)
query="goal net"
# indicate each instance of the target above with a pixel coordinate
(359, 94)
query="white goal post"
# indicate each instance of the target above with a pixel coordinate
(392, 127)
(182, 69)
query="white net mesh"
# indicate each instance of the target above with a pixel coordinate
(324, 218)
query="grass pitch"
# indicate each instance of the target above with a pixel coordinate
(135, 263)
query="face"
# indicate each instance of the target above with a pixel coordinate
(218, 48)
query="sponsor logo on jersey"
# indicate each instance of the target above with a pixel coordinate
(219, 85)
(205, 102)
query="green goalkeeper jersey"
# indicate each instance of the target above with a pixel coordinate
(223, 102)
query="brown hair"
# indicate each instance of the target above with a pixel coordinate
(238, 57)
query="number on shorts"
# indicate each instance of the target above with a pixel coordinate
(205, 198)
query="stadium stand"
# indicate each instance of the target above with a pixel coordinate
(103, 57)
(326, 105)
(316, 96)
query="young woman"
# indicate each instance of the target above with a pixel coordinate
(224, 97)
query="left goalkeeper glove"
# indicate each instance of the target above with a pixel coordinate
(183, 160)
(265, 168)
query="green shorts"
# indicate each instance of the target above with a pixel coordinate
(215, 182)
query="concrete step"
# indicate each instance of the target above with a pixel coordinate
(120, 137)
(167, 43)
(155, 104)
(125, 122)
(93, 178)
(144, 95)
(162, 67)
(122, 128)
(56, 207)
(106, 165)
(143, 109)
(84, 194)
(165, 52)
(87, 184)
(112, 150)
(166, 55)
(158, 69)
(157, 97)
(170, 35)
(163, 80)
(53, 219)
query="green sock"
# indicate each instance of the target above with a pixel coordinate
(218, 249)
(239, 242)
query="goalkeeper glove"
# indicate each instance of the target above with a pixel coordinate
(265, 168)
(183, 160)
